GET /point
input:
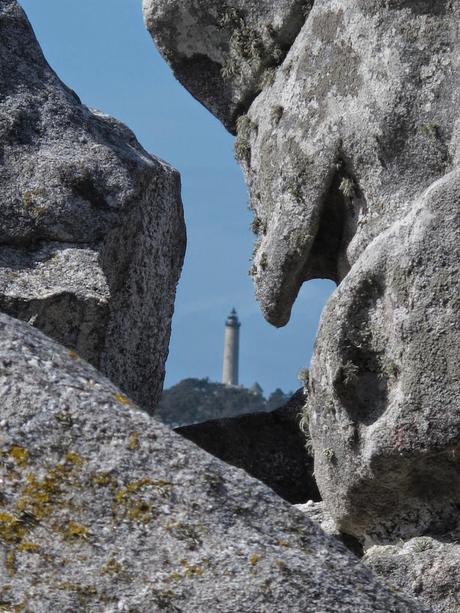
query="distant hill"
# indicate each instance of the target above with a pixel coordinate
(197, 400)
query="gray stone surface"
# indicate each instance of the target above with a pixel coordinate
(362, 117)
(104, 509)
(318, 512)
(92, 234)
(270, 446)
(426, 567)
(350, 154)
(224, 52)
(384, 407)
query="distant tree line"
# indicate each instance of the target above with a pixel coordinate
(198, 400)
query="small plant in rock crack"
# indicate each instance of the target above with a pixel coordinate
(242, 150)
(422, 543)
(264, 261)
(303, 376)
(267, 79)
(277, 114)
(245, 45)
(347, 188)
(304, 425)
(258, 226)
(244, 128)
(307, 7)
(350, 372)
(329, 454)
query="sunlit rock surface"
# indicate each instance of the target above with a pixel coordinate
(92, 234)
(225, 52)
(351, 154)
(103, 508)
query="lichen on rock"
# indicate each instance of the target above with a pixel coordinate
(351, 153)
(89, 523)
(92, 235)
(225, 53)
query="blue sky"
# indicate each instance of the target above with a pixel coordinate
(102, 50)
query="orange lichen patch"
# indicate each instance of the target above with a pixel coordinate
(122, 399)
(20, 455)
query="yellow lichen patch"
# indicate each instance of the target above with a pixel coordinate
(283, 543)
(103, 479)
(39, 210)
(191, 570)
(11, 608)
(28, 196)
(188, 571)
(140, 511)
(112, 567)
(20, 455)
(10, 563)
(75, 532)
(122, 399)
(74, 458)
(135, 508)
(28, 547)
(39, 496)
(83, 590)
(254, 559)
(133, 441)
(135, 486)
(12, 530)
(73, 354)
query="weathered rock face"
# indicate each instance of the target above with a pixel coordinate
(350, 156)
(225, 52)
(103, 508)
(269, 446)
(92, 234)
(361, 118)
(384, 406)
(426, 567)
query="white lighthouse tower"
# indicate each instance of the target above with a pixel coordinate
(231, 349)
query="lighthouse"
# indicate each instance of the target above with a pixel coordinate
(231, 349)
